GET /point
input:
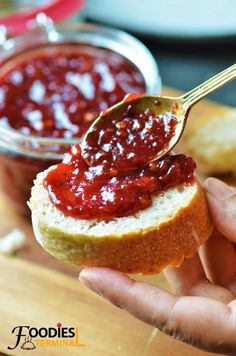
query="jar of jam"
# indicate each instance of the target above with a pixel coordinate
(54, 81)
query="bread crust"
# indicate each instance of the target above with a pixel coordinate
(144, 251)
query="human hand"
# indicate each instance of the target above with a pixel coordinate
(202, 312)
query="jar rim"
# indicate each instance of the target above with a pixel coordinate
(34, 146)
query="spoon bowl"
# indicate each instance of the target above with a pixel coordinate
(109, 140)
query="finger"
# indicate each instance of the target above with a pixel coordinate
(222, 205)
(218, 258)
(190, 279)
(199, 321)
(185, 277)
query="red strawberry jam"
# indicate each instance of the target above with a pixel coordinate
(129, 141)
(97, 192)
(58, 90)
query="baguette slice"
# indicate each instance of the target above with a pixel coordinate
(211, 142)
(165, 233)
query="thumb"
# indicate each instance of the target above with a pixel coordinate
(222, 204)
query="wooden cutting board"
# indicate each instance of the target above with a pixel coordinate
(38, 290)
(36, 296)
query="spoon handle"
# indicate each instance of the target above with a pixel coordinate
(194, 95)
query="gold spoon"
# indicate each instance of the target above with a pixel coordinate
(159, 105)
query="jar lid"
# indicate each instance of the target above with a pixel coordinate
(57, 10)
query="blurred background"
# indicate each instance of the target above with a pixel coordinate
(191, 40)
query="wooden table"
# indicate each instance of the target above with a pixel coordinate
(38, 290)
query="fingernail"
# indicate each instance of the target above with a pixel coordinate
(85, 279)
(218, 189)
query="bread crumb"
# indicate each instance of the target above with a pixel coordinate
(12, 242)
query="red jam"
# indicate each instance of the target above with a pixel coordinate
(87, 192)
(58, 90)
(130, 141)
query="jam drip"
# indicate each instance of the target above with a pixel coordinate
(58, 90)
(130, 141)
(87, 192)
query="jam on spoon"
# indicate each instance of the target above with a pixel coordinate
(130, 140)
(172, 112)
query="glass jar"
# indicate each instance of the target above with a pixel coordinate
(23, 156)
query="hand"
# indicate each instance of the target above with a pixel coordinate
(202, 312)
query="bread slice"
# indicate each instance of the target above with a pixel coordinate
(211, 142)
(165, 233)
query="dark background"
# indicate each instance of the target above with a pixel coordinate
(184, 65)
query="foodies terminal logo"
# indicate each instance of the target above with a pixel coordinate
(29, 338)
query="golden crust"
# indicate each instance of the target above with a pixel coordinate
(146, 252)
